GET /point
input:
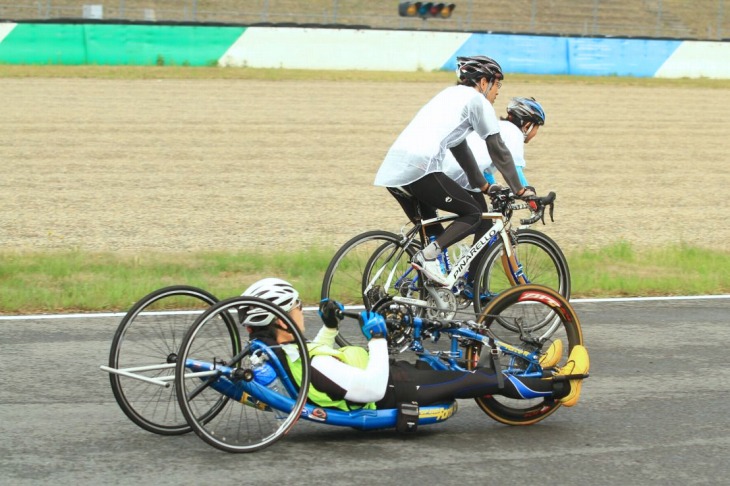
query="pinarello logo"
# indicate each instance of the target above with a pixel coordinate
(318, 414)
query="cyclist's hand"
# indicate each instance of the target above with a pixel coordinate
(372, 325)
(330, 313)
(527, 195)
(494, 189)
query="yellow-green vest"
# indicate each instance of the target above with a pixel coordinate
(351, 355)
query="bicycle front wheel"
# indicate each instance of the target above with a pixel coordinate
(214, 362)
(149, 336)
(537, 260)
(523, 306)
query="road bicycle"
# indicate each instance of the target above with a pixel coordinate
(235, 393)
(376, 264)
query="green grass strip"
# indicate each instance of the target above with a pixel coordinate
(76, 281)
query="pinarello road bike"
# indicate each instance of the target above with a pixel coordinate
(376, 264)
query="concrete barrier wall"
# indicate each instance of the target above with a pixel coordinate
(390, 50)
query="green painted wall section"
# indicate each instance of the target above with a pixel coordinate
(117, 44)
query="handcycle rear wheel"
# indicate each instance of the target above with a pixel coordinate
(540, 260)
(150, 334)
(367, 269)
(241, 426)
(526, 304)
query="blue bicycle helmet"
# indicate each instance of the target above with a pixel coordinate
(524, 110)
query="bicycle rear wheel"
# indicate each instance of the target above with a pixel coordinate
(368, 269)
(521, 306)
(243, 424)
(150, 335)
(538, 260)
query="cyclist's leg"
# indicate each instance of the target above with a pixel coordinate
(433, 386)
(439, 191)
(416, 210)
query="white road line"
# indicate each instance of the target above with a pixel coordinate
(121, 314)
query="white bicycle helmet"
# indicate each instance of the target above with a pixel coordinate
(276, 291)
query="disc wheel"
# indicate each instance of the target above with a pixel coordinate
(522, 307)
(149, 336)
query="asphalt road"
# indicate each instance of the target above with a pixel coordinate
(656, 410)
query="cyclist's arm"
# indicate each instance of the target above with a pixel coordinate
(521, 175)
(502, 159)
(340, 380)
(326, 336)
(464, 156)
(489, 177)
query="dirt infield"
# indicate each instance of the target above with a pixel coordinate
(182, 165)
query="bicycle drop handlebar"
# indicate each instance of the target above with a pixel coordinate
(542, 203)
(503, 201)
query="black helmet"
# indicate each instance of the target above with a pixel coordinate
(526, 110)
(473, 68)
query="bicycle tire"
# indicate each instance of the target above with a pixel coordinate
(541, 260)
(526, 302)
(348, 276)
(240, 426)
(147, 335)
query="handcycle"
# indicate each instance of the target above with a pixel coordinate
(235, 393)
(376, 264)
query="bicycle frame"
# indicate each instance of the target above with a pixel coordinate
(498, 230)
(512, 268)
(253, 394)
(448, 360)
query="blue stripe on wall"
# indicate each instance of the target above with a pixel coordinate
(569, 55)
(617, 57)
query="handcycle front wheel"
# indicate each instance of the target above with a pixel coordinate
(149, 336)
(522, 306)
(244, 423)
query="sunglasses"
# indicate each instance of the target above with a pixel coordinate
(297, 305)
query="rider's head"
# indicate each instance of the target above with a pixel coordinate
(482, 73)
(527, 114)
(262, 323)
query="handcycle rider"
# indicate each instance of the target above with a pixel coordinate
(414, 164)
(352, 378)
